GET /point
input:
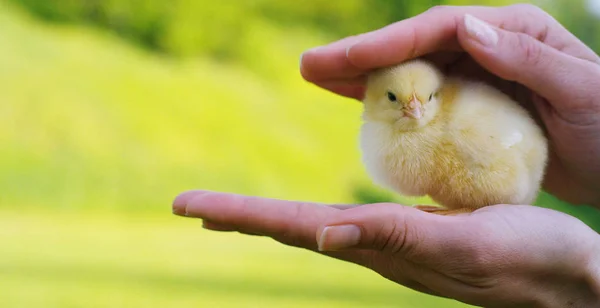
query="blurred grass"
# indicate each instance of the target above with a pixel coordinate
(95, 123)
(99, 135)
(51, 260)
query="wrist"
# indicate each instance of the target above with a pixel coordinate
(592, 274)
(586, 285)
(578, 284)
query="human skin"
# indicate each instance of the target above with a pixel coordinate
(497, 256)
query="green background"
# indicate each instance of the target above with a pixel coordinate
(109, 109)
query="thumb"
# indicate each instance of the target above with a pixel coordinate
(395, 229)
(524, 59)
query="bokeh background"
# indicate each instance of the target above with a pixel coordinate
(110, 108)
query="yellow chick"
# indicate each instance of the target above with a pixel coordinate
(464, 144)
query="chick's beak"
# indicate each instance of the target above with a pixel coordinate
(414, 109)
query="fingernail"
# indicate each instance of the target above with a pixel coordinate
(339, 237)
(359, 41)
(479, 30)
(180, 203)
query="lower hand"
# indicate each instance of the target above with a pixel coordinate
(498, 256)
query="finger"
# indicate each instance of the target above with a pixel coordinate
(291, 223)
(404, 40)
(213, 226)
(345, 206)
(317, 62)
(354, 87)
(443, 60)
(543, 108)
(182, 199)
(354, 56)
(567, 80)
(340, 61)
(435, 30)
(414, 235)
(431, 31)
(351, 88)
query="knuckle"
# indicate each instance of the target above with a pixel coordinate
(413, 52)
(531, 49)
(380, 238)
(393, 238)
(289, 234)
(299, 210)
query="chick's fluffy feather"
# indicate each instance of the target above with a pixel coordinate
(473, 146)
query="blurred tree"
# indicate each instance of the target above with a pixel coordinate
(191, 28)
(138, 20)
(578, 17)
(185, 28)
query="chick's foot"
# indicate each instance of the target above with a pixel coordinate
(442, 211)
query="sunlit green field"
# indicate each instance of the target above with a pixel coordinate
(96, 139)
(75, 261)
(95, 123)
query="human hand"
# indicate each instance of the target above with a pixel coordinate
(498, 256)
(528, 55)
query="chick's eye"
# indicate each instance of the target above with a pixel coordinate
(431, 96)
(391, 96)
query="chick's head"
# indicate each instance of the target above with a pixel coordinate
(405, 95)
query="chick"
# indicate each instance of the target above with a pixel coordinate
(464, 144)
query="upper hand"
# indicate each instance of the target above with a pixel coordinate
(534, 59)
(498, 256)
